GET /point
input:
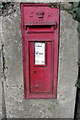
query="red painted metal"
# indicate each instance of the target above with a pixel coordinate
(40, 24)
(41, 81)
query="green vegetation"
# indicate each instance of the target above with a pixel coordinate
(75, 11)
(3, 5)
(6, 8)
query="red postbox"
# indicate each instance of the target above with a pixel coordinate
(40, 33)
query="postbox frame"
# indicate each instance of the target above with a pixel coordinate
(27, 94)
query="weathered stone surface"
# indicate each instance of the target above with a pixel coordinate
(0, 70)
(68, 69)
(16, 105)
(0, 30)
(0, 98)
(79, 45)
(40, 1)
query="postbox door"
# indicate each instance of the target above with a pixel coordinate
(40, 55)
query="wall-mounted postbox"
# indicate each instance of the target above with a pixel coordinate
(40, 32)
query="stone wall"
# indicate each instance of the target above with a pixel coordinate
(40, 1)
(0, 70)
(16, 105)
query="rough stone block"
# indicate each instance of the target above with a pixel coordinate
(16, 105)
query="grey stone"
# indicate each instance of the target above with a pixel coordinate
(0, 100)
(16, 105)
(79, 44)
(40, 1)
(0, 30)
(0, 68)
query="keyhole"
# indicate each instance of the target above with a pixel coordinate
(34, 72)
